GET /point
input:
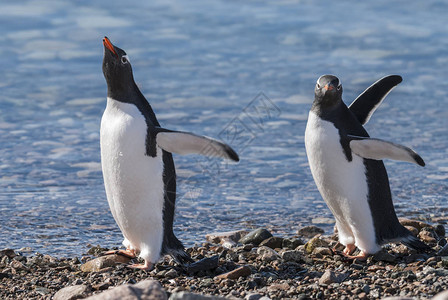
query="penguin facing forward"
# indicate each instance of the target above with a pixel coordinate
(347, 167)
(137, 164)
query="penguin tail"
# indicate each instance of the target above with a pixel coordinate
(174, 248)
(416, 244)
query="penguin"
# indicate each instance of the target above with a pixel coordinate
(137, 164)
(347, 167)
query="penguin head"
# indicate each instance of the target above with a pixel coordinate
(328, 91)
(116, 68)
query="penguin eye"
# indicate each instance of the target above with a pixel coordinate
(339, 87)
(318, 85)
(124, 59)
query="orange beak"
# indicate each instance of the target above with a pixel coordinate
(328, 87)
(109, 45)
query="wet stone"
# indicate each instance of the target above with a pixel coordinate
(256, 237)
(440, 230)
(310, 231)
(237, 273)
(291, 243)
(273, 242)
(207, 263)
(315, 242)
(267, 254)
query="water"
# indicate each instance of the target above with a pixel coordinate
(200, 64)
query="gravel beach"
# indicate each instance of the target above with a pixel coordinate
(241, 264)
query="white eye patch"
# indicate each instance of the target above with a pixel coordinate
(125, 59)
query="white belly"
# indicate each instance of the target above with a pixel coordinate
(133, 181)
(341, 183)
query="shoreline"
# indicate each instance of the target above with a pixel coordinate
(243, 265)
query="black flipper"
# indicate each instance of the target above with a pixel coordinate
(365, 104)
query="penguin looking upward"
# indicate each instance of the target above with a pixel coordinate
(138, 168)
(347, 167)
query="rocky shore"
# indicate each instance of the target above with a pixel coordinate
(241, 264)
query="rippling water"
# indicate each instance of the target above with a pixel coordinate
(200, 64)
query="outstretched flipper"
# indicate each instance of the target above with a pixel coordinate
(187, 143)
(377, 149)
(365, 104)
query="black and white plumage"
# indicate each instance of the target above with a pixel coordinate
(347, 166)
(138, 168)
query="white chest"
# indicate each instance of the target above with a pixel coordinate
(336, 178)
(133, 180)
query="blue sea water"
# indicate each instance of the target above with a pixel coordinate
(241, 71)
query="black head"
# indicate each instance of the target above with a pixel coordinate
(117, 70)
(328, 92)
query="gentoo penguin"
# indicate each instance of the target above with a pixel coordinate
(138, 168)
(347, 167)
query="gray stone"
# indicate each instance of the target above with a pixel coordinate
(330, 277)
(253, 296)
(204, 264)
(441, 296)
(292, 255)
(292, 243)
(383, 255)
(315, 242)
(440, 230)
(102, 262)
(227, 239)
(191, 296)
(256, 237)
(71, 292)
(267, 254)
(310, 231)
(272, 242)
(144, 290)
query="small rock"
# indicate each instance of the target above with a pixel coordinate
(414, 223)
(272, 242)
(204, 264)
(440, 230)
(191, 296)
(443, 251)
(314, 243)
(171, 274)
(322, 251)
(383, 255)
(292, 243)
(253, 296)
(71, 292)
(256, 237)
(412, 229)
(441, 296)
(144, 290)
(102, 262)
(42, 290)
(279, 287)
(330, 277)
(428, 236)
(235, 274)
(310, 231)
(292, 255)
(267, 254)
(15, 264)
(7, 252)
(101, 286)
(229, 237)
(96, 250)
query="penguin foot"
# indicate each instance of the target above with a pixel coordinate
(147, 266)
(349, 249)
(362, 256)
(128, 253)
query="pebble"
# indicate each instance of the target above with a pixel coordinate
(102, 262)
(330, 277)
(237, 273)
(267, 254)
(272, 242)
(315, 242)
(310, 231)
(71, 292)
(256, 237)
